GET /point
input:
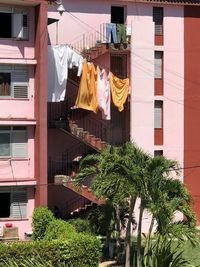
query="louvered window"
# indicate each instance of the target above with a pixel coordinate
(158, 20)
(158, 116)
(14, 203)
(158, 64)
(15, 23)
(20, 24)
(18, 204)
(13, 81)
(13, 142)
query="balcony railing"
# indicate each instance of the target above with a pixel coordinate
(68, 162)
(95, 38)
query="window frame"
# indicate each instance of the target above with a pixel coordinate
(11, 70)
(161, 114)
(158, 153)
(13, 191)
(18, 10)
(159, 21)
(156, 77)
(11, 132)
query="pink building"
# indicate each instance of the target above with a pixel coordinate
(161, 59)
(23, 119)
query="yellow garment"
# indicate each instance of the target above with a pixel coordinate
(87, 94)
(119, 90)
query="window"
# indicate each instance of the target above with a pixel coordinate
(158, 153)
(15, 23)
(14, 203)
(13, 142)
(13, 81)
(158, 116)
(158, 64)
(118, 65)
(158, 20)
(117, 14)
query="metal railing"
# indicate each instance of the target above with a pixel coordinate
(94, 38)
(74, 204)
(68, 162)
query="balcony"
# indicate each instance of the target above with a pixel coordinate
(94, 43)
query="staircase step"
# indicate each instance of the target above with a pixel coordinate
(103, 145)
(85, 193)
(93, 140)
(79, 132)
(98, 143)
(73, 127)
(87, 137)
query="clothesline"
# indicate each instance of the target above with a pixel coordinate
(96, 64)
(96, 85)
(96, 88)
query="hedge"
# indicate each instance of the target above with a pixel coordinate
(81, 251)
(59, 229)
(42, 217)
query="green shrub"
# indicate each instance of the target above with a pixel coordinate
(81, 225)
(81, 251)
(58, 229)
(41, 218)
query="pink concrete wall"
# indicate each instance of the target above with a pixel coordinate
(174, 83)
(24, 225)
(84, 17)
(142, 77)
(13, 170)
(10, 48)
(12, 108)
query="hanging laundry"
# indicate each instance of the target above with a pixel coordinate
(60, 58)
(121, 33)
(77, 61)
(87, 94)
(111, 30)
(119, 90)
(103, 93)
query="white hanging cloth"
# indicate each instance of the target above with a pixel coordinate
(103, 93)
(60, 58)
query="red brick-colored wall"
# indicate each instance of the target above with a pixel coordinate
(192, 103)
(41, 103)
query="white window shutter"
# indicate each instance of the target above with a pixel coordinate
(17, 26)
(19, 204)
(19, 144)
(20, 82)
(158, 65)
(158, 114)
(20, 24)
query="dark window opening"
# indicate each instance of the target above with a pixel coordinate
(118, 65)
(25, 21)
(6, 25)
(5, 81)
(117, 14)
(5, 205)
(158, 20)
(158, 153)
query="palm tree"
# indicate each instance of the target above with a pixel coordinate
(112, 172)
(127, 173)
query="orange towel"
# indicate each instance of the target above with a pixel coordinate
(119, 90)
(87, 94)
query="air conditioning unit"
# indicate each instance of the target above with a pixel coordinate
(1, 231)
